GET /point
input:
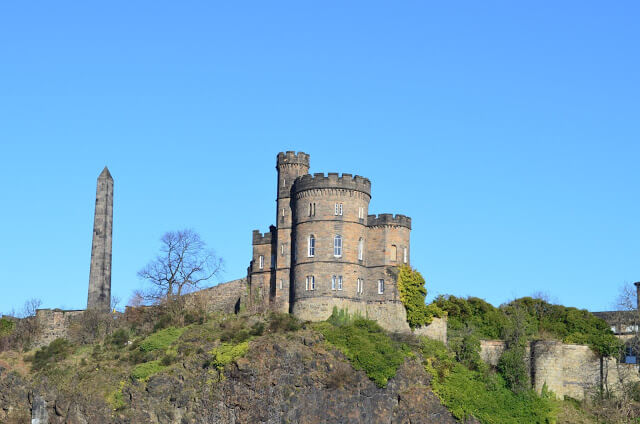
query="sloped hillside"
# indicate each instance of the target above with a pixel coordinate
(224, 370)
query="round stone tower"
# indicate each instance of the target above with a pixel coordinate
(290, 165)
(329, 237)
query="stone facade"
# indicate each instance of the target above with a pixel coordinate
(326, 250)
(566, 369)
(100, 274)
(53, 324)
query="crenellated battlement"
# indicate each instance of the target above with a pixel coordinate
(332, 180)
(388, 219)
(262, 238)
(291, 157)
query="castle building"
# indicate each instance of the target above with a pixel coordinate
(326, 251)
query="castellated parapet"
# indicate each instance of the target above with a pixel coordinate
(327, 251)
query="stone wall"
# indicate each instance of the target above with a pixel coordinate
(437, 330)
(53, 324)
(229, 297)
(566, 369)
(390, 316)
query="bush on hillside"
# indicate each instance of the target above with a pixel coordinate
(412, 294)
(55, 352)
(366, 345)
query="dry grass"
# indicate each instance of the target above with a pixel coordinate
(14, 361)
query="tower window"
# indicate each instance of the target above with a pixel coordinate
(338, 209)
(312, 209)
(273, 261)
(284, 182)
(405, 255)
(359, 286)
(360, 249)
(310, 283)
(361, 212)
(261, 262)
(281, 284)
(282, 249)
(337, 246)
(311, 250)
(336, 282)
(380, 286)
(394, 253)
(282, 211)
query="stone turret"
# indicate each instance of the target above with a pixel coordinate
(100, 274)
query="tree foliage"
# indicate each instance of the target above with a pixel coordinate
(413, 292)
(527, 319)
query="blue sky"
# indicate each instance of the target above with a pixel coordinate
(508, 131)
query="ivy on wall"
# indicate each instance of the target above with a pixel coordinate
(413, 294)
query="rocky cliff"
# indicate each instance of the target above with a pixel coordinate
(283, 378)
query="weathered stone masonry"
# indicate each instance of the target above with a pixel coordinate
(100, 273)
(566, 369)
(326, 251)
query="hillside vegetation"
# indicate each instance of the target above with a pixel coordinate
(171, 364)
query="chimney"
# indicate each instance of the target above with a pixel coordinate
(637, 284)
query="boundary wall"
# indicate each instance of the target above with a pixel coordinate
(567, 369)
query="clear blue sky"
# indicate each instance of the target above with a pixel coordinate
(508, 131)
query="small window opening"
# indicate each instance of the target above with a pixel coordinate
(311, 251)
(337, 246)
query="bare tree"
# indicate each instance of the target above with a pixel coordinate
(29, 308)
(183, 265)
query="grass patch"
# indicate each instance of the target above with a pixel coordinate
(115, 399)
(161, 340)
(366, 345)
(227, 353)
(483, 395)
(144, 371)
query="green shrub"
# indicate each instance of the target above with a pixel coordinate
(367, 346)
(55, 352)
(412, 294)
(227, 353)
(115, 399)
(119, 337)
(6, 327)
(144, 371)
(483, 395)
(513, 368)
(257, 329)
(467, 393)
(528, 318)
(283, 322)
(164, 321)
(161, 340)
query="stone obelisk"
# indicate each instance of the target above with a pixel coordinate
(100, 274)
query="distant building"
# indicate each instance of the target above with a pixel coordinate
(625, 325)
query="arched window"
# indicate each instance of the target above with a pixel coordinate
(337, 246)
(394, 252)
(311, 246)
(360, 249)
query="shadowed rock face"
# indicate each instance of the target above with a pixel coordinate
(281, 380)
